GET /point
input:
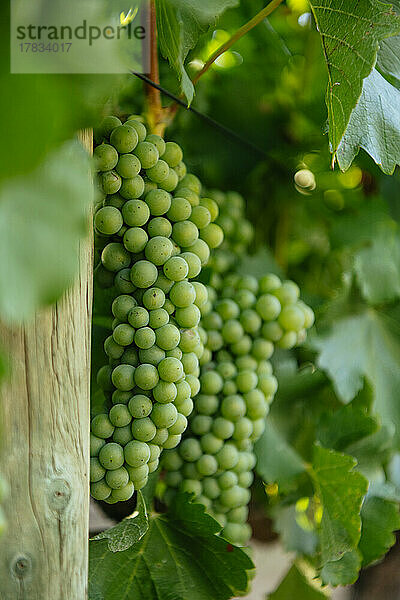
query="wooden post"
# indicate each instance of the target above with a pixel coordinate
(45, 454)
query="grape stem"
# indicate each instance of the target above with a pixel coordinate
(263, 14)
(153, 95)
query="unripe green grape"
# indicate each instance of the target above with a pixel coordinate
(123, 494)
(128, 166)
(191, 486)
(159, 226)
(227, 309)
(135, 239)
(230, 388)
(120, 397)
(175, 353)
(269, 283)
(185, 406)
(176, 268)
(238, 515)
(180, 209)
(237, 533)
(148, 186)
(264, 367)
(157, 141)
(170, 369)
(159, 250)
(188, 316)
(191, 196)
(140, 406)
(291, 318)
(137, 453)
(246, 381)
(135, 212)
(146, 376)
(234, 497)
(223, 428)
(161, 437)
(96, 443)
(172, 461)
(107, 125)
(190, 472)
(192, 182)
(309, 316)
(102, 427)
(159, 172)
(185, 233)
(190, 450)
(200, 216)
(180, 170)
(143, 429)
(112, 349)
(122, 305)
(155, 452)
(145, 338)
(164, 415)
(272, 331)
(123, 283)
(211, 383)
(183, 391)
(165, 285)
(212, 321)
(170, 182)
(246, 479)
(227, 369)
(268, 307)
(110, 182)
(242, 347)
(114, 200)
(213, 235)
(232, 331)
(287, 293)
(158, 318)
(108, 220)
(227, 457)
(172, 441)
(153, 466)
(233, 407)
(243, 429)
(268, 384)
(288, 340)
(118, 478)
(105, 157)
(123, 334)
(111, 456)
(179, 426)
(119, 415)
(227, 479)
(201, 294)
(140, 128)
(138, 317)
(100, 490)
(115, 257)
(211, 206)
(123, 377)
(143, 274)
(182, 294)
(122, 435)
(103, 378)
(97, 471)
(167, 336)
(152, 356)
(201, 249)
(190, 362)
(158, 201)
(206, 357)
(250, 320)
(258, 429)
(262, 349)
(211, 488)
(124, 138)
(256, 407)
(207, 465)
(207, 404)
(147, 153)
(172, 154)
(137, 474)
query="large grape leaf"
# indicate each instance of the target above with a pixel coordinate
(380, 518)
(43, 217)
(297, 585)
(365, 345)
(277, 461)
(350, 35)
(340, 490)
(180, 557)
(180, 24)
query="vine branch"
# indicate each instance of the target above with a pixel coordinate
(154, 106)
(263, 14)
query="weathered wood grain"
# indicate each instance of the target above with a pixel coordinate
(45, 401)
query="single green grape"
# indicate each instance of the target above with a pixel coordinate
(201, 424)
(185, 233)
(100, 490)
(122, 435)
(158, 201)
(135, 239)
(137, 453)
(140, 128)
(168, 336)
(291, 318)
(158, 318)
(123, 494)
(123, 334)
(96, 443)
(182, 294)
(123, 283)
(211, 383)
(159, 172)
(145, 338)
(115, 257)
(159, 226)
(180, 209)
(128, 166)
(119, 415)
(97, 471)
(200, 216)
(223, 428)
(244, 429)
(138, 317)
(188, 316)
(146, 376)
(101, 427)
(122, 305)
(190, 450)
(164, 415)
(111, 456)
(158, 250)
(124, 138)
(143, 274)
(107, 125)
(110, 182)
(143, 429)
(227, 456)
(170, 369)
(123, 377)
(170, 182)
(112, 349)
(108, 220)
(118, 478)
(135, 212)
(172, 154)
(147, 153)
(165, 392)
(157, 141)
(120, 397)
(152, 355)
(179, 426)
(202, 250)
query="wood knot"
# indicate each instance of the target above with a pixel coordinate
(59, 493)
(21, 566)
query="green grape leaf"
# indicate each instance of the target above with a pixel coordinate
(292, 535)
(365, 345)
(179, 557)
(129, 531)
(343, 571)
(377, 268)
(345, 427)
(380, 518)
(277, 461)
(297, 585)
(43, 217)
(340, 490)
(180, 24)
(350, 36)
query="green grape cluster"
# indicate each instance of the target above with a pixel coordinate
(240, 328)
(238, 234)
(154, 232)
